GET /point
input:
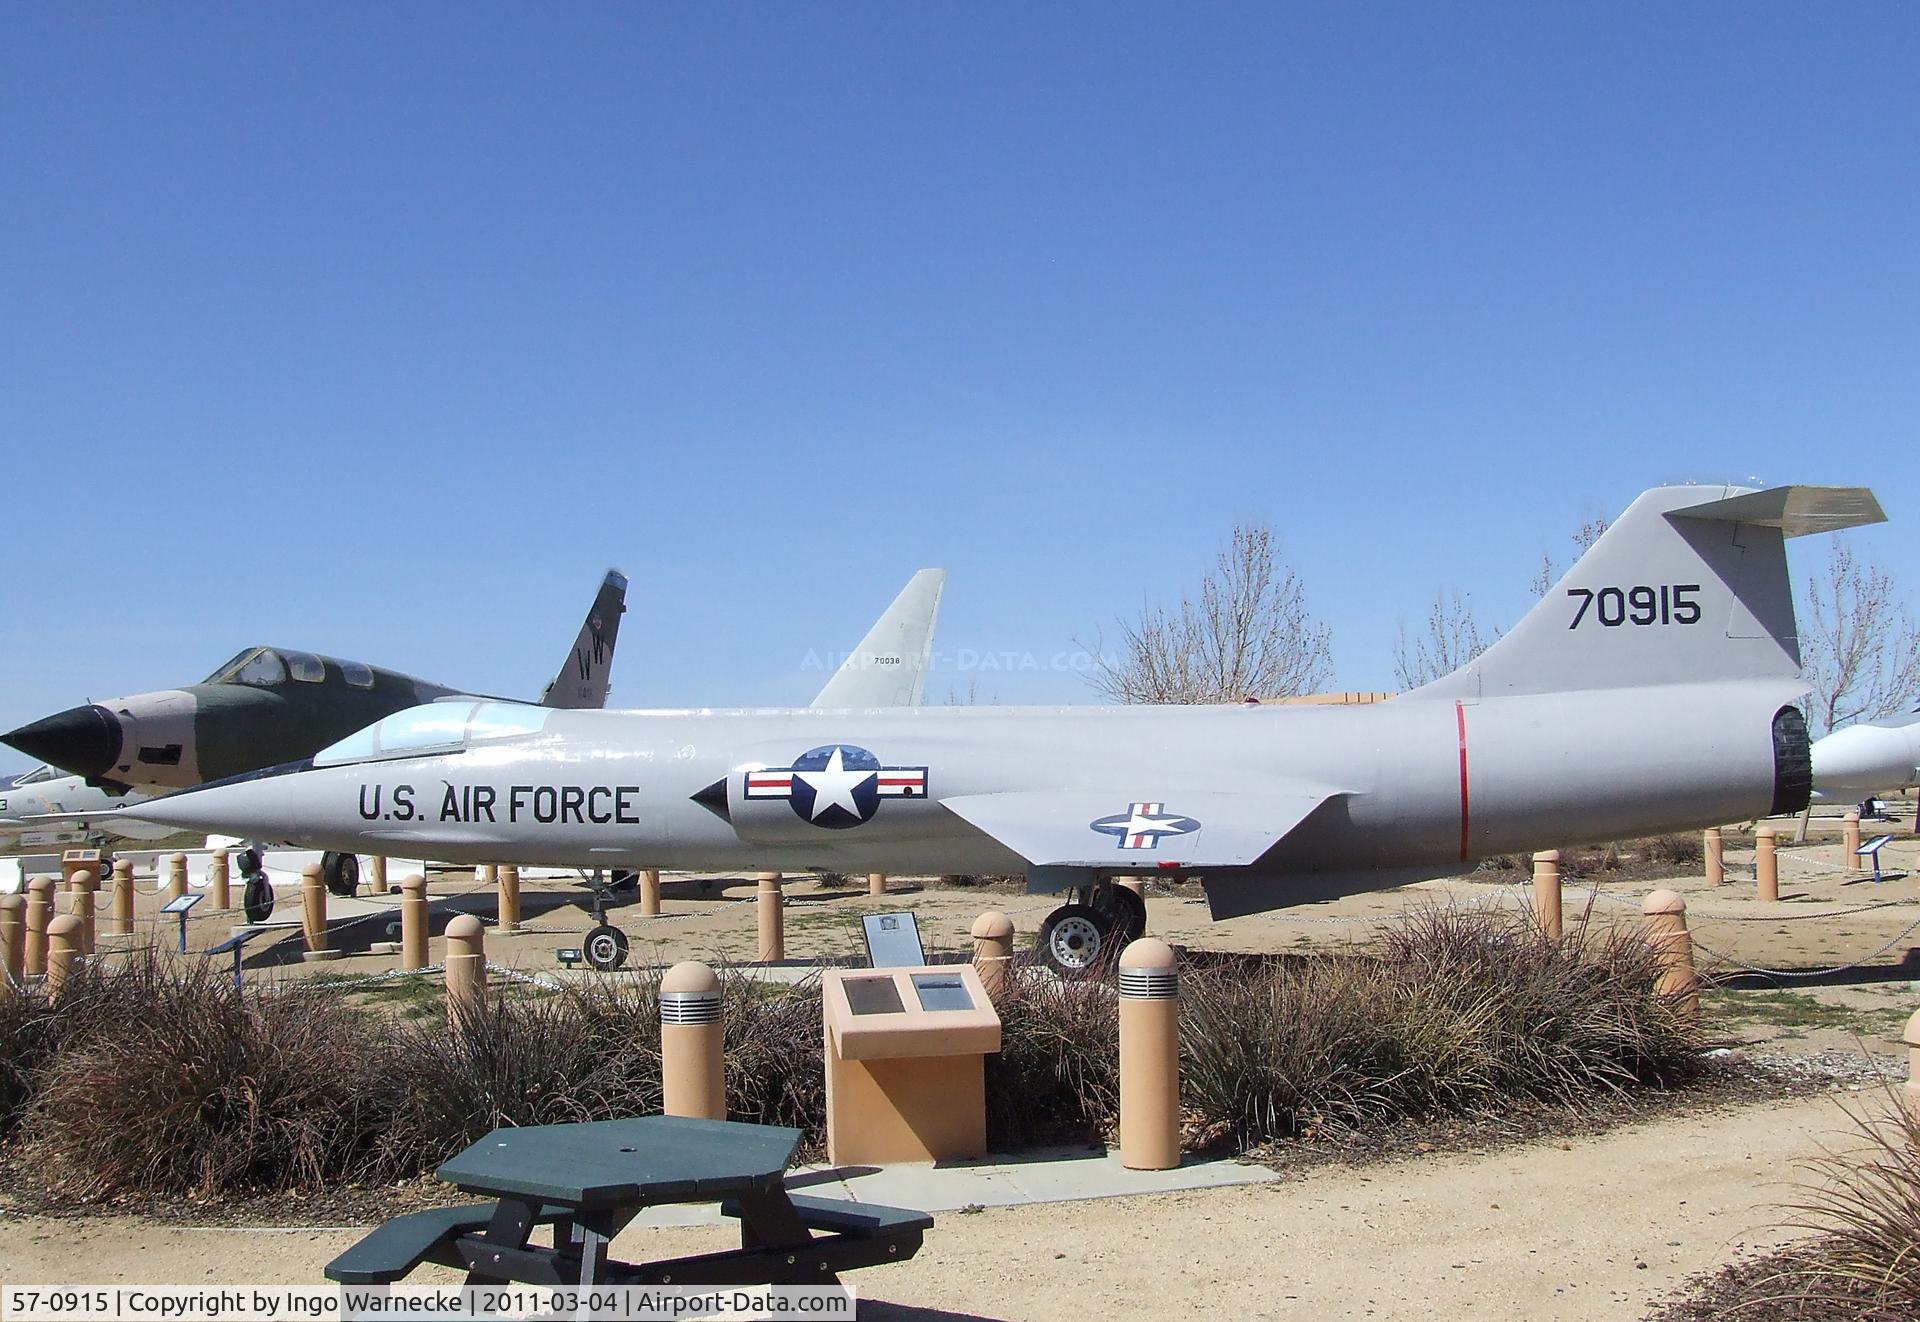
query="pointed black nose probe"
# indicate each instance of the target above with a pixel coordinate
(82, 740)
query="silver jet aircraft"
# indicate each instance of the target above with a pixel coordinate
(1651, 690)
(1872, 757)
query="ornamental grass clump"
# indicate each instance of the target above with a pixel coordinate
(1461, 1011)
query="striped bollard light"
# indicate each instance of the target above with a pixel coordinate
(1546, 892)
(650, 893)
(1766, 864)
(63, 953)
(219, 881)
(413, 921)
(1710, 853)
(13, 936)
(466, 968)
(1149, 1057)
(122, 924)
(693, 1076)
(509, 899)
(81, 907)
(1666, 915)
(39, 916)
(773, 933)
(993, 951)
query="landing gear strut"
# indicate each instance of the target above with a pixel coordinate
(1095, 925)
(606, 945)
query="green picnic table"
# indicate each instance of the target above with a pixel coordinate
(587, 1181)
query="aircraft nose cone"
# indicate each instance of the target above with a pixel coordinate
(83, 740)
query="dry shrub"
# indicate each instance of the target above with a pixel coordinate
(1465, 1011)
(775, 1071)
(1679, 849)
(205, 1092)
(1056, 1077)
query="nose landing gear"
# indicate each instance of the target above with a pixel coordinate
(1094, 926)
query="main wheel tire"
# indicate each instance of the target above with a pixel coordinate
(1129, 913)
(257, 898)
(341, 872)
(606, 948)
(1075, 936)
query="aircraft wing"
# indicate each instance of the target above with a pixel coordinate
(1095, 829)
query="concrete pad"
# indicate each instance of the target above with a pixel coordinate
(1048, 1175)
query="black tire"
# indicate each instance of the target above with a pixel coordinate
(247, 861)
(1075, 938)
(257, 898)
(341, 872)
(605, 948)
(1129, 913)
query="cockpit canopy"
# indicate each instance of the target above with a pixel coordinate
(438, 727)
(270, 668)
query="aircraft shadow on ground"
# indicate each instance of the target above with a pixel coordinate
(1907, 970)
(871, 1308)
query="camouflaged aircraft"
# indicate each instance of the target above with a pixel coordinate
(1653, 689)
(265, 707)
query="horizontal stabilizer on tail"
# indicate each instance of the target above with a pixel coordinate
(1688, 586)
(1123, 832)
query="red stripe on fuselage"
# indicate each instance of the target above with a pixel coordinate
(1460, 717)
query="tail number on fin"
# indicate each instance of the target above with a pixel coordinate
(1667, 604)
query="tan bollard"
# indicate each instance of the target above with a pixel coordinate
(63, 953)
(1911, 1036)
(219, 881)
(1711, 854)
(313, 913)
(489, 875)
(122, 924)
(1666, 915)
(377, 875)
(1546, 892)
(1138, 885)
(1850, 838)
(466, 967)
(176, 876)
(509, 899)
(13, 936)
(693, 1075)
(39, 916)
(1149, 1057)
(773, 934)
(993, 951)
(413, 921)
(1766, 864)
(650, 893)
(81, 907)
(876, 883)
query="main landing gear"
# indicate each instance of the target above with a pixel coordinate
(606, 945)
(1095, 924)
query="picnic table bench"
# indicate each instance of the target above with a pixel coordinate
(588, 1181)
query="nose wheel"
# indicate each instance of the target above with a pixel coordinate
(1092, 928)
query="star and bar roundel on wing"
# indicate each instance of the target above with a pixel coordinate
(836, 785)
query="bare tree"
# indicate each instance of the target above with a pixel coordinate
(1247, 633)
(1452, 639)
(1858, 649)
(1583, 539)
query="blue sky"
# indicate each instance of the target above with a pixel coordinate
(382, 331)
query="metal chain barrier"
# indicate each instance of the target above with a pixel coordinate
(1808, 973)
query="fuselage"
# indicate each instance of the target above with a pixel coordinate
(1408, 783)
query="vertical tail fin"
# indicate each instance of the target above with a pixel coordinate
(1689, 586)
(588, 670)
(889, 667)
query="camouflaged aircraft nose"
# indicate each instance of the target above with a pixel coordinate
(83, 740)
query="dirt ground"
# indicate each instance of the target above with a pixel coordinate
(1591, 1228)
